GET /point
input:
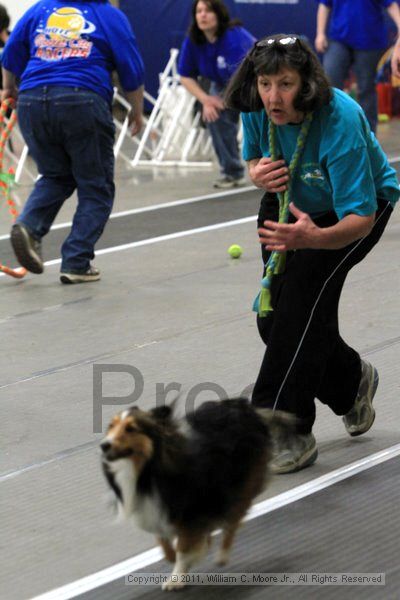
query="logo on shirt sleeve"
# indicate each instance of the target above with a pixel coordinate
(63, 35)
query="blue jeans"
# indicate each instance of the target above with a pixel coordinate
(338, 59)
(70, 135)
(224, 132)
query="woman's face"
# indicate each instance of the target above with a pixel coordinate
(206, 19)
(278, 93)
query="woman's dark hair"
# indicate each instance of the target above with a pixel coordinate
(4, 18)
(268, 57)
(223, 17)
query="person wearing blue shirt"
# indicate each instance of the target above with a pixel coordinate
(329, 193)
(213, 50)
(356, 40)
(63, 55)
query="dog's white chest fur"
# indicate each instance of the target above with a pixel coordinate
(146, 511)
(151, 517)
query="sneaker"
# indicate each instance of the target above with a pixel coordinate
(92, 274)
(27, 249)
(293, 452)
(360, 418)
(227, 182)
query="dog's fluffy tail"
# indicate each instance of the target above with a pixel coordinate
(278, 421)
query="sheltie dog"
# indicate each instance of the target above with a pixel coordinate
(182, 479)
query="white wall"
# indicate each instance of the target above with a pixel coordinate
(16, 8)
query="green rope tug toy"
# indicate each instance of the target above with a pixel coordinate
(277, 260)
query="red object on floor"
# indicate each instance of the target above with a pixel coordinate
(384, 91)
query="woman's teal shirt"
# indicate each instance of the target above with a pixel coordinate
(343, 168)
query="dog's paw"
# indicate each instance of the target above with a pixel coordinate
(173, 584)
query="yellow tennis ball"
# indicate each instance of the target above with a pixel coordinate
(235, 251)
(66, 22)
(383, 118)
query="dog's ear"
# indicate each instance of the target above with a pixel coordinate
(164, 413)
(161, 413)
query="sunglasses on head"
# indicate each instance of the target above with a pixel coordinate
(286, 41)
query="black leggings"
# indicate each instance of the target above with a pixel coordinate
(305, 356)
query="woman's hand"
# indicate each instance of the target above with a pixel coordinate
(289, 236)
(135, 122)
(395, 62)
(135, 115)
(305, 234)
(9, 85)
(212, 106)
(8, 93)
(321, 43)
(269, 175)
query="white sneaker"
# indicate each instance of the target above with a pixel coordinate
(361, 417)
(92, 274)
(227, 182)
(293, 452)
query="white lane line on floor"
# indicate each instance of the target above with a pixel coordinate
(145, 559)
(161, 238)
(136, 211)
(77, 364)
(53, 459)
(143, 209)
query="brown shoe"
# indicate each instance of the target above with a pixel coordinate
(27, 249)
(227, 182)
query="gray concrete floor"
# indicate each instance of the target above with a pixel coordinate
(299, 535)
(179, 311)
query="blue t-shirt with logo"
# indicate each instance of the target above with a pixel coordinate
(74, 44)
(343, 168)
(359, 24)
(215, 61)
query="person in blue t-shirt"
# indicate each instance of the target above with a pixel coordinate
(4, 32)
(63, 55)
(357, 39)
(213, 50)
(310, 147)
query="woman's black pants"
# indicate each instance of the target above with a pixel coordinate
(305, 356)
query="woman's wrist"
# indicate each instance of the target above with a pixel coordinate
(204, 99)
